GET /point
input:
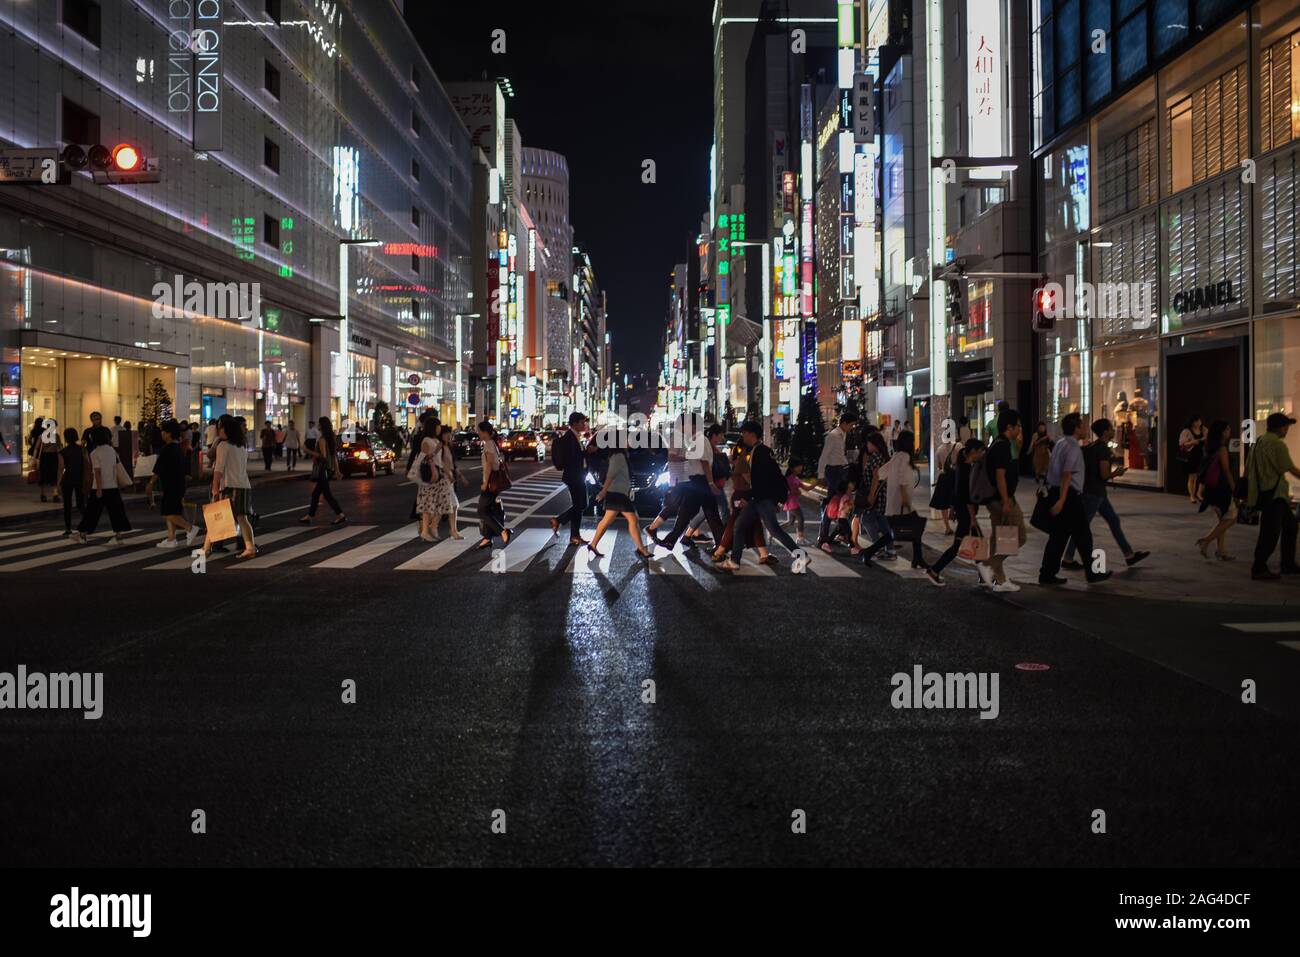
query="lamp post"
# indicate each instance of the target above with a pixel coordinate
(460, 365)
(344, 340)
(766, 365)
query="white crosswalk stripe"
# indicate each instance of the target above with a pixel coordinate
(1264, 627)
(49, 545)
(270, 538)
(22, 539)
(822, 565)
(62, 555)
(431, 559)
(355, 557)
(523, 548)
(585, 563)
(126, 555)
(315, 544)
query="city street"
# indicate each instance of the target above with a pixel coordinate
(524, 692)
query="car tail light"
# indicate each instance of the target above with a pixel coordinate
(363, 455)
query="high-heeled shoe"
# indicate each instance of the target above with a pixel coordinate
(591, 548)
(643, 553)
(1204, 545)
(1224, 556)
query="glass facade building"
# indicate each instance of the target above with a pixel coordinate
(331, 126)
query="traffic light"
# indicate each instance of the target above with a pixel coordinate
(1044, 309)
(121, 165)
(955, 311)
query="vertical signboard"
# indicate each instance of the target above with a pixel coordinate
(208, 60)
(180, 59)
(984, 76)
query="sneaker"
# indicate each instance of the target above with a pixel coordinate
(889, 556)
(117, 540)
(191, 535)
(1136, 557)
(729, 565)
(1005, 586)
(770, 559)
(826, 547)
(935, 577)
(1098, 579)
(986, 575)
(801, 540)
(81, 538)
(169, 543)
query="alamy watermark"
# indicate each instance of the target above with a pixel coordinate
(75, 909)
(951, 690)
(79, 691)
(1103, 300)
(241, 301)
(624, 430)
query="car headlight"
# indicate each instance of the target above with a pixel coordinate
(661, 479)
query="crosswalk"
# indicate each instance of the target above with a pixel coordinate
(350, 547)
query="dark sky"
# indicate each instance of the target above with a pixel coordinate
(609, 84)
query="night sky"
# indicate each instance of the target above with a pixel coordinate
(608, 84)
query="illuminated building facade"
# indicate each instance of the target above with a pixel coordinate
(546, 193)
(322, 127)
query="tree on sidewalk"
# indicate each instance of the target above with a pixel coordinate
(809, 432)
(157, 405)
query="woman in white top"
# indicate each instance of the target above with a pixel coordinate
(230, 481)
(899, 476)
(429, 503)
(491, 516)
(1191, 449)
(104, 493)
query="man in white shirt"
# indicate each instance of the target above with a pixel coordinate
(831, 469)
(1069, 518)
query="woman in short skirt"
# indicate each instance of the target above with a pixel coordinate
(616, 494)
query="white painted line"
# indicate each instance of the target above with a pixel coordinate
(1293, 645)
(527, 512)
(273, 514)
(523, 548)
(63, 556)
(355, 557)
(1264, 627)
(269, 538)
(431, 559)
(126, 556)
(750, 568)
(585, 563)
(48, 546)
(823, 565)
(32, 538)
(315, 544)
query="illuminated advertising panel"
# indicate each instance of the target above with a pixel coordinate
(984, 76)
(208, 63)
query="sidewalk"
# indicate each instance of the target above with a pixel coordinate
(20, 502)
(1165, 525)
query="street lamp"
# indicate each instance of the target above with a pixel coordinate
(344, 340)
(460, 364)
(767, 334)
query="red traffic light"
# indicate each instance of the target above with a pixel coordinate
(126, 158)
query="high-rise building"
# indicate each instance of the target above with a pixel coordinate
(322, 131)
(546, 191)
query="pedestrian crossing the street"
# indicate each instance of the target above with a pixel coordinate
(373, 547)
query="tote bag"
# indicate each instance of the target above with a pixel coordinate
(219, 518)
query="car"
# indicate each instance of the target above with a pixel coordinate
(647, 469)
(364, 453)
(466, 443)
(523, 444)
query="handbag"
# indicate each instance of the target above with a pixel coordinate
(908, 527)
(32, 476)
(219, 519)
(974, 548)
(120, 474)
(499, 480)
(1042, 517)
(1006, 540)
(942, 497)
(416, 471)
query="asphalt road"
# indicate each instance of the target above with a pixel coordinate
(524, 692)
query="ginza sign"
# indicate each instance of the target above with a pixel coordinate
(194, 66)
(984, 65)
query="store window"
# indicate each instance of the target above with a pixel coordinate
(1126, 254)
(1206, 276)
(1277, 377)
(1279, 75)
(1126, 391)
(1060, 388)
(1279, 178)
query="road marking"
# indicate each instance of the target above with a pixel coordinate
(47, 546)
(31, 538)
(62, 556)
(1293, 645)
(306, 548)
(269, 538)
(583, 561)
(126, 557)
(285, 511)
(431, 559)
(355, 557)
(823, 565)
(527, 512)
(523, 548)
(750, 568)
(1264, 627)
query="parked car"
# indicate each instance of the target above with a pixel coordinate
(466, 443)
(364, 453)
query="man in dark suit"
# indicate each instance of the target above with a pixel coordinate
(770, 489)
(570, 458)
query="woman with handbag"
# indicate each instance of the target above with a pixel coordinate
(1191, 450)
(426, 471)
(904, 524)
(105, 494)
(75, 478)
(491, 516)
(230, 481)
(324, 467)
(1216, 491)
(963, 509)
